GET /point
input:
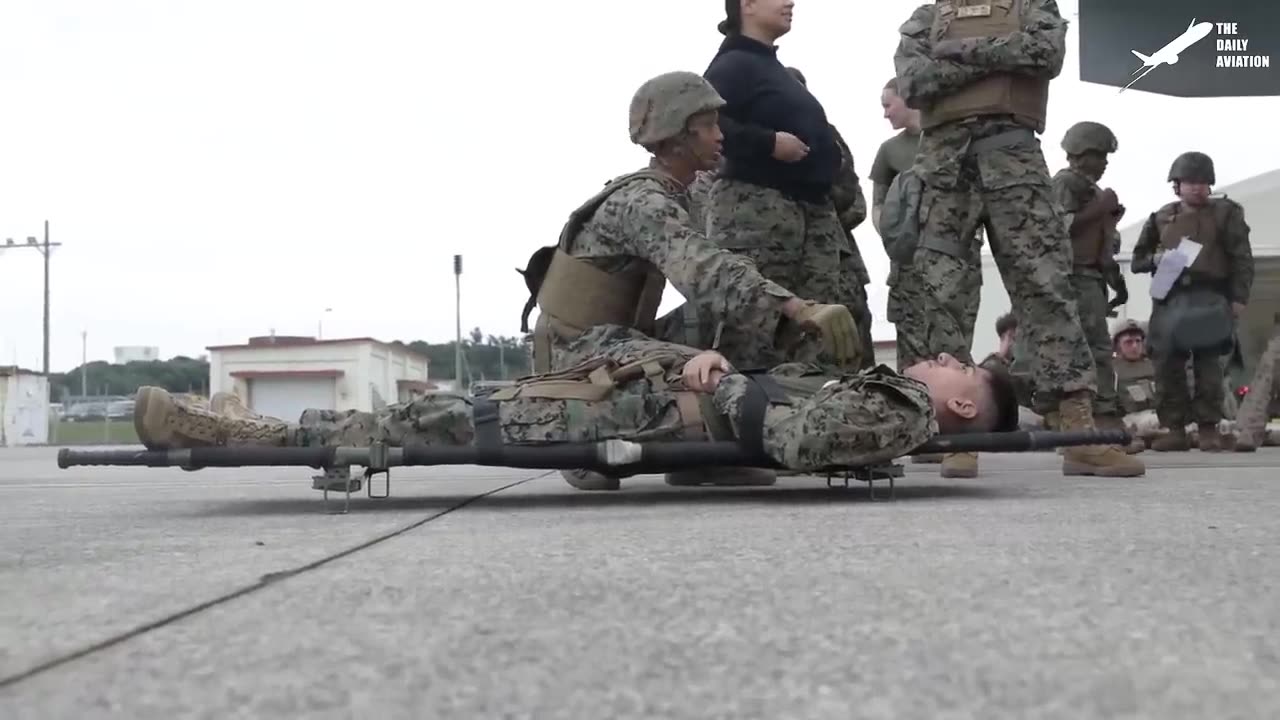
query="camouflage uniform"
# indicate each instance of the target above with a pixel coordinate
(905, 292)
(619, 249)
(981, 83)
(780, 215)
(1224, 267)
(1092, 244)
(851, 209)
(812, 420)
(1257, 407)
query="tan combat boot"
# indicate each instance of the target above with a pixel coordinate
(1076, 414)
(1175, 440)
(723, 477)
(960, 465)
(162, 423)
(229, 405)
(931, 459)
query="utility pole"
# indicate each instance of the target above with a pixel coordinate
(46, 249)
(457, 310)
(84, 363)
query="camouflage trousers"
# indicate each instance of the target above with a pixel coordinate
(841, 425)
(1176, 404)
(1033, 253)
(799, 245)
(1090, 295)
(937, 306)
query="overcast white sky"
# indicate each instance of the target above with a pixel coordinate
(220, 169)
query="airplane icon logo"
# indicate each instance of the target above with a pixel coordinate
(1168, 55)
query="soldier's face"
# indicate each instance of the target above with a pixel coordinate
(704, 140)
(960, 393)
(895, 110)
(773, 16)
(1192, 193)
(1093, 164)
(1131, 347)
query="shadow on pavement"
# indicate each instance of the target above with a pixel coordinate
(636, 497)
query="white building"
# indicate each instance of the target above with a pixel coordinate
(24, 407)
(1260, 196)
(280, 376)
(136, 353)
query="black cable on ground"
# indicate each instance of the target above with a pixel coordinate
(263, 582)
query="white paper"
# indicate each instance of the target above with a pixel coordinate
(1172, 263)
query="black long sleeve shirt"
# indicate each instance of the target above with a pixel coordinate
(762, 98)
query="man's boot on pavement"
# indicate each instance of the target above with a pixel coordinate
(1075, 414)
(1175, 440)
(723, 477)
(1111, 422)
(163, 423)
(960, 465)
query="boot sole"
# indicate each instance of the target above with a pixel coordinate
(958, 473)
(149, 412)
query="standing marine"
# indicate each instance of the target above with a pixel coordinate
(1090, 214)
(1195, 321)
(980, 74)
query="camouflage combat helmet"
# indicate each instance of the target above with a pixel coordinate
(1193, 167)
(1085, 136)
(662, 106)
(1127, 326)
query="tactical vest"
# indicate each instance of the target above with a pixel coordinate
(1025, 98)
(1201, 225)
(575, 295)
(1135, 385)
(1089, 240)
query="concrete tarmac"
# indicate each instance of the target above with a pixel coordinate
(483, 593)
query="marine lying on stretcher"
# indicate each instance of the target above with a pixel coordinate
(642, 390)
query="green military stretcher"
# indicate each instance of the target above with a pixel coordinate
(615, 457)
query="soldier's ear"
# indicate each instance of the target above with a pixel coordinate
(963, 407)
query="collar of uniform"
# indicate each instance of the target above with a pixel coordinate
(751, 45)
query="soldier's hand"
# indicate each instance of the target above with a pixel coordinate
(789, 148)
(836, 326)
(703, 372)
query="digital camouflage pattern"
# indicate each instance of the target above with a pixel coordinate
(647, 221)
(795, 243)
(851, 209)
(1072, 191)
(1254, 413)
(662, 106)
(854, 419)
(938, 297)
(1009, 185)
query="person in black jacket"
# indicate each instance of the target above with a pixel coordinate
(772, 199)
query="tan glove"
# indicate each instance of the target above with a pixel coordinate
(835, 324)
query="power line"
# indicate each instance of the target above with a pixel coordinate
(46, 249)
